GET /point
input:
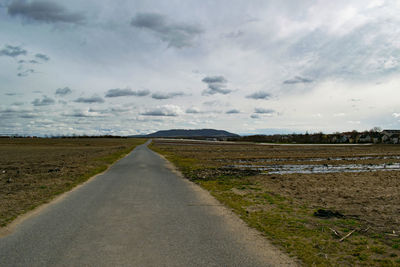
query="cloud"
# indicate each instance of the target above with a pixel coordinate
(43, 11)
(119, 109)
(233, 111)
(13, 111)
(63, 91)
(341, 114)
(264, 111)
(177, 35)
(193, 110)
(12, 51)
(212, 103)
(234, 34)
(89, 100)
(42, 57)
(260, 95)
(45, 101)
(216, 85)
(166, 110)
(255, 116)
(117, 92)
(28, 116)
(25, 73)
(86, 113)
(396, 115)
(161, 96)
(298, 79)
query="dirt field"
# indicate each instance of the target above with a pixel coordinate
(32, 171)
(253, 180)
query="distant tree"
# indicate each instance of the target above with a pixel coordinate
(376, 129)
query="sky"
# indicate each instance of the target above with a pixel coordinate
(120, 67)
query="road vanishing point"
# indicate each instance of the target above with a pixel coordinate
(137, 213)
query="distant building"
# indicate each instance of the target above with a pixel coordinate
(390, 136)
(390, 132)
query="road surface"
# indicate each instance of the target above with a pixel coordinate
(138, 213)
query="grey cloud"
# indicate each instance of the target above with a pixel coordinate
(233, 111)
(10, 94)
(216, 85)
(255, 116)
(117, 92)
(30, 61)
(260, 95)
(298, 79)
(13, 112)
(42, 57)
(119, 109)
(212, 103)
(234, 34)
(264, 111)
(112, 110)
(25, 72)
(177, 35)
(89, 100)
(166, 110)
(45, 101)
(12, 51)
(158, 112)
(193, 110)
(43, 11)
(161, 96)
(83, 113)
(214, 79)
(18, 103)
(63, 91)
(28, 116)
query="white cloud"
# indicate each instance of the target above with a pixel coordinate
(396, 115)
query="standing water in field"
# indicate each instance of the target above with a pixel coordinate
(307, 168)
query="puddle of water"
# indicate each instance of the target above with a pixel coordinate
(309, 169)
(319, 159)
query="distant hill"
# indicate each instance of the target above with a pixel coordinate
(190, 133)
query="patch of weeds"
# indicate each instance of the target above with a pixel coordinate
(378, 249)
(269, 198)
(362, 256)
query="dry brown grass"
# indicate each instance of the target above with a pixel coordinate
(33, 171)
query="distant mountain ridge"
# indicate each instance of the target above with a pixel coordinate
(190, 133)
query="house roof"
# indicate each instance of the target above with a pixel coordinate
(392, 131)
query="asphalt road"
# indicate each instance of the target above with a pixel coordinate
(138, 213)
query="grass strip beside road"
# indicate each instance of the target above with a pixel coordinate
(34, 171)
(287, 222)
